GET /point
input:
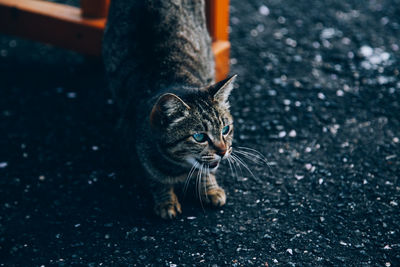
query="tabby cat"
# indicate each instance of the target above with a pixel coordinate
(175, 120)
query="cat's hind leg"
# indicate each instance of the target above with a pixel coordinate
(166, 204)
(213, 194)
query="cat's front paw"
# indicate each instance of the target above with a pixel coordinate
(168, 210)
(216, 197)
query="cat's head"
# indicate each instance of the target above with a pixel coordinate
(195, 127)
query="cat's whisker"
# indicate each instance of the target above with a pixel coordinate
(254, 158)
(190, 174)
(213, 181)
(240, 161)
(205, 181)
(252, 152)
(230, 166)
(198, 184)
(250, 157)
(197, 178)
(236, 165)
(233, 168)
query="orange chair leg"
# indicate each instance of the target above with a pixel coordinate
(217, 12)
(95, 8)
(81, 29)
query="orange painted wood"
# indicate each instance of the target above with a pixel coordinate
(52, 23)
(218, 19)
(217, 12)
(221, 54)
(95, 8)
(82, 29)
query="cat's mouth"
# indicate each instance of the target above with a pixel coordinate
(213, 164)
(210, 164)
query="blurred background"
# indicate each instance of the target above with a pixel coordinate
(318, 94)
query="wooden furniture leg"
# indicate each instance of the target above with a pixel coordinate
(81, 29)
(218, 24)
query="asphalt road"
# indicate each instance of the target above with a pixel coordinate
(318, 94)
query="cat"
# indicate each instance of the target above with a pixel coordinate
(175, 119)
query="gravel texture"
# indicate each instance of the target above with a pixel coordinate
(318, 94)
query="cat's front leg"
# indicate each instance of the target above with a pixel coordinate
(166, 204)
(213, 193)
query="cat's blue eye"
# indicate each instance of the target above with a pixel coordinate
(199, 137)
(225, 130)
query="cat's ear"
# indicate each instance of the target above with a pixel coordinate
(168, 106)
(221, 90)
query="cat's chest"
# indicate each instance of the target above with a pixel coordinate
(184, 178)
(176, 179)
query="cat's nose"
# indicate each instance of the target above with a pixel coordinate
(220, 149)
(221, 152)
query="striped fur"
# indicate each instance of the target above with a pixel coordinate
(159, 63)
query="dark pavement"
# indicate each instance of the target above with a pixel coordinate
(318, 94)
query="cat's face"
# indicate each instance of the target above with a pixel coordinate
(196, 129)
